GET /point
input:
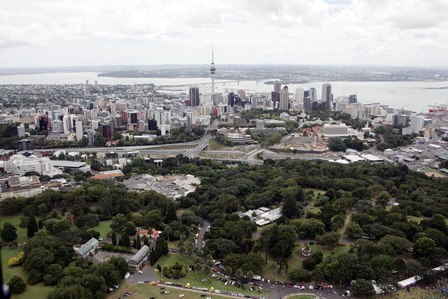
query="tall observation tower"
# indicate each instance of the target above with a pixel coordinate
(212, 75)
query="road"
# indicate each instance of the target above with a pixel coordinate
(120, 148)
(201, 233)
(203, 143)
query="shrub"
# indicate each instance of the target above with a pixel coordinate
(176, 271)
(17, 285)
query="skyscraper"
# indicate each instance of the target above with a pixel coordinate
(277, 87)
(300, 94)
(231, 99)
(79, 130)
(284, 99)
(327, 96)
(212, 76)
(194, 96)
(313, 94)
(275, 95)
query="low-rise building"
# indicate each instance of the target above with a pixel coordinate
(136, 262)
(262, 216)
(19, 164)
(87, 248)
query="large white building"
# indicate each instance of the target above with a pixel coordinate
(299, 95)
(20, 165)
(335, 130)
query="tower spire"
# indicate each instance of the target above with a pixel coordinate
(212, 74)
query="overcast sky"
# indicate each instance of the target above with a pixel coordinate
(144, 32)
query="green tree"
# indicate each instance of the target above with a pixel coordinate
(54, 273)
(60, 226)
(337, 145)
(119, 264)
(9, 232)
(16, 285)
(330, 239)
(70, 292)
(362, 288)
(32, 227)
(114, 238)
(125, 240)
(299, 275)
(353, 231)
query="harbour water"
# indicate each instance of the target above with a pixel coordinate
(416, 96)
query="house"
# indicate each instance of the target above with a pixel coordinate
(136, 262)
(87, 248)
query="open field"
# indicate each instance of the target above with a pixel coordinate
(144, 291)
(197, 279)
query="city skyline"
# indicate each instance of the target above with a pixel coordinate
(340, 32)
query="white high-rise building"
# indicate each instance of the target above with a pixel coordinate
(79, 130)
(66, 124)
(299, 95)
(57, 126)
(417, 122)
(21, 131)
(284, 98)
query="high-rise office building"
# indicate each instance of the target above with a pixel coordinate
(194, 96)
(313, 94)
(66, 124)
(277, 87)
(57, 126)
(327, 96)
(106, 131)
(352, 99)
(275, 94)
(79, 130)
(21, 130)
(90, 137)
(133, 117)
(231, 99)
(307, 104)
(189, 122)
(299, 95)
(417, 122)
(284, 99)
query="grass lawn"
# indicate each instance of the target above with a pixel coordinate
(214, 145)
(103, 228)
(15, 220)
(144, 291)
(195, 278)
(173, 244)
(35, 291)
(302, 297)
